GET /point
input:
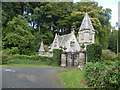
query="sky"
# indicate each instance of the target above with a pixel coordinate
(113, 5)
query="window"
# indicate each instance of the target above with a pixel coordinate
(72, 44)
(55, 44)
(90, 36)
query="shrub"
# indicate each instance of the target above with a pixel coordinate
(0, 58)
(57, 56)
(5, 57)
(100, 75)
(94, 52)
(7, 53)
(112, 79)
(95, 74)
(108, 55)
(33, 59)
(118, 56)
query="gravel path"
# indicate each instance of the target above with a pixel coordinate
(30, 77)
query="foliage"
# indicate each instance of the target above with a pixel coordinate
(72, 78)
(0, 58)
(10, 56)
(7, 53)
(57, 56)
(94, 74)
(94, 52)
(108, 55)
(46, 48)
(100, 75)
(5, 58)
(47, 18)
(18, 34)
(118, 56)
(113, 41)
(33, 59)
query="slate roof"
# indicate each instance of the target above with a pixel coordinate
(86, 23)
(63, 39)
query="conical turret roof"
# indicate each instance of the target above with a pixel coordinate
(86, 23)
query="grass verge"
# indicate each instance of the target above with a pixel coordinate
(27, 65)
(72, 78)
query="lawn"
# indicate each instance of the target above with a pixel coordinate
(72, 78)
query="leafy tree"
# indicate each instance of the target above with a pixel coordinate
(113, 41)
(47, 18)
(18, 34)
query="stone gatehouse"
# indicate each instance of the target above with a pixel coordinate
(73, 47)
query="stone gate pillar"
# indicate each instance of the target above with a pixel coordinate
(82, 59)
(63, 60)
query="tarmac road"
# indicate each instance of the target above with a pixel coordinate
(30, 77)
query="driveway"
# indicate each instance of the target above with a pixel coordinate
(30, 77)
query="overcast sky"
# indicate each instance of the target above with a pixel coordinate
(113, 5)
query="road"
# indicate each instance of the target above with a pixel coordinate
(30, 77)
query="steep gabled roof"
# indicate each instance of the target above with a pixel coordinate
(63, 39)
(86, 23)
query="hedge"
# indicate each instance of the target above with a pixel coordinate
(33, 59)
(57, 56)
(100, 75)
(93, 52)
(8, 58)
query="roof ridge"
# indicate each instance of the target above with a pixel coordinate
(65, 35)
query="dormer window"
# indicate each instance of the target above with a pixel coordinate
(72, 43)
(82, 36)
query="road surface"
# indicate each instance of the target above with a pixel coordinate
(30, 77)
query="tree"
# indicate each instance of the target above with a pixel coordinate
(18, 34)
(47, 18)
(113, 41)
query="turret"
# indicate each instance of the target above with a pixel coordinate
(86, 32)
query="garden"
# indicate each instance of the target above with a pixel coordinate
(101, 71)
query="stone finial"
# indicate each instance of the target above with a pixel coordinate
(42, 47)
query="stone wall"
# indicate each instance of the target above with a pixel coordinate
(45, 54)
